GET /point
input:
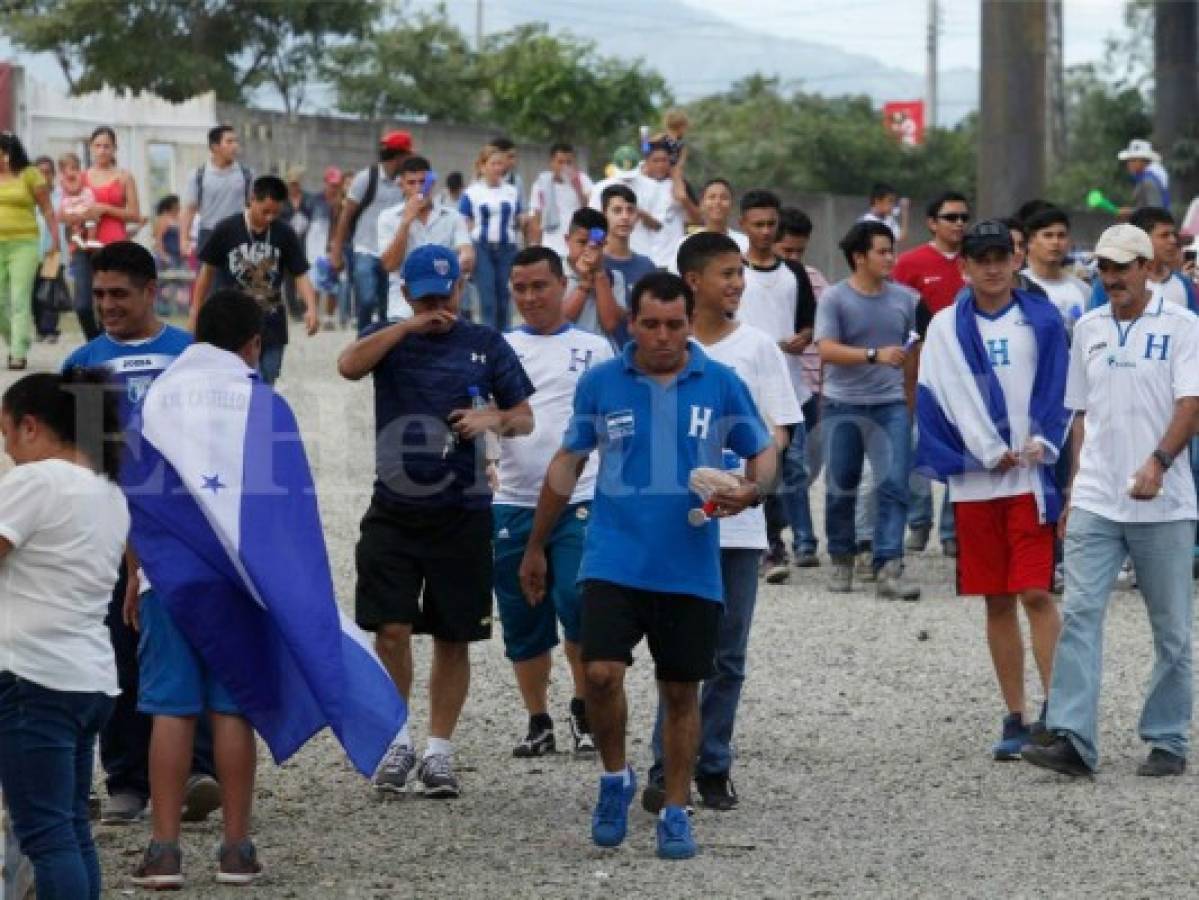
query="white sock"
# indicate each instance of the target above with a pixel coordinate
(623, 775)
(439, 746)
(403, 738)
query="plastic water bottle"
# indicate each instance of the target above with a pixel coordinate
(491, 441)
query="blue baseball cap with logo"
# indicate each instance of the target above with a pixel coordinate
(431, 270)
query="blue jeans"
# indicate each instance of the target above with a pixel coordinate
(270, 364)
(81, 277)
(1161, 553)
(493, 265)
(853, 433)
(788, 505)
(47, 748)
(920, 513)
(721, 694)
(370, 287)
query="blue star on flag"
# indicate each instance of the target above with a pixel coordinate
(212, 483)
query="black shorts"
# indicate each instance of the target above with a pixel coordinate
(428, 568)
(680, 629)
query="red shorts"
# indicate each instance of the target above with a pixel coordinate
(1002, 547)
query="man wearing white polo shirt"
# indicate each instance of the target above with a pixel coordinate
(1134, 387)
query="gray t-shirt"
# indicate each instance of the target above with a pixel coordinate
(865, 320)
(223, 195)
(387, 193)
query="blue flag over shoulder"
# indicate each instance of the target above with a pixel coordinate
(227, 529)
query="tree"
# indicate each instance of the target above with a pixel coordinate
(180, 48)
(422, 68)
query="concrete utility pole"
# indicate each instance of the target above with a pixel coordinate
(1055, 88)
(1011, 141)
(930, 65)
(1176, 77)
(478, 26)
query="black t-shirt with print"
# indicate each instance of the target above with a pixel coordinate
(256, 263)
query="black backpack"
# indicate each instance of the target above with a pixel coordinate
(372, 187)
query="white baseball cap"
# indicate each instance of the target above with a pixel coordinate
(1123, 243)
(1139, 149)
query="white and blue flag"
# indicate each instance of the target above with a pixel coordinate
(227, 529)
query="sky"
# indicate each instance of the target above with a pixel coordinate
(895, 30)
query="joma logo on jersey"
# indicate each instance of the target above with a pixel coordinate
(480, 358)
(701, 420)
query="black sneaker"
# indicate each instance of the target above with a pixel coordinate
(1162, 762)
(775, 564)
(580, 728)
(716, 791)
(436, 773)
(1060, 756)
(540, 739)
(653, 797)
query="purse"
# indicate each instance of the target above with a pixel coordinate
(51, 291)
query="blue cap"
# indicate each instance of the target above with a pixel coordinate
(430, 270)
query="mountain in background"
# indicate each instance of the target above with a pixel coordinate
(700, 54)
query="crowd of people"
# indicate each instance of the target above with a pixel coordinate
(624, 464)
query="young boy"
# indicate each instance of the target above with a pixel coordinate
(623, 267)
(586, 278)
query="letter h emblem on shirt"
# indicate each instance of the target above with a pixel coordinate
(1157, 345)
(701, 418)
(997, 349)
(578, 359)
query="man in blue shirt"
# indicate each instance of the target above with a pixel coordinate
(424, 556)
(134, 348)
(657, 412)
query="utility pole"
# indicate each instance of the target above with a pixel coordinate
(1176, 95)
(1055, 86)
(930, 64)
(1011, 141)
(478, 26)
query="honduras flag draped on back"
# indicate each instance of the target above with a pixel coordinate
(961, 411)
(227, 529)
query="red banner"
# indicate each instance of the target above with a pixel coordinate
(904, 120)
(6, 99)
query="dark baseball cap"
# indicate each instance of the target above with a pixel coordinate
(988, 234)
(430, 270)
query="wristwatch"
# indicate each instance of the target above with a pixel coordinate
(872, 356)
(1164, 459)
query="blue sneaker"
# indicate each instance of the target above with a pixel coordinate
(674, 834)
(1015, 736)
(610, 821)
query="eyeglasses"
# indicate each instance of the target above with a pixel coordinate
(963, 218)
(1107, 266)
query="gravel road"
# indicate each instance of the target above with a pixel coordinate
(863, 762)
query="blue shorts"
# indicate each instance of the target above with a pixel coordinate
(530, 631)
(172, 678)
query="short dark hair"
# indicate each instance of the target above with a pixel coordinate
(759, 199)
(561, 147)
(717, 180)
(166, 204)
(881, 190)
(701, 248)
(453, 181)
(860, 239)
(623, 191)
(128, 258)
(78, 406)
(937, 203)
(663, 286)
(1045, 217)
(586, 217)
(415, 164)
(47, 160)
(531, 256)
(1014, 224)
(793, 220)
(503, 143)
(1147, 218)
(229, 319)
(1031, 207)
(269, 187)
(215, 134)
(11, 146)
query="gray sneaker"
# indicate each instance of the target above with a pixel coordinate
(436, 773)
(917, 538)
(392, 774)
(865, 566)
(892, 585)
(201, 798)
(123, 809)
(161, 868)
(841, 579)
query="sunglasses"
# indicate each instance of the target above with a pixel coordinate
(955, 217)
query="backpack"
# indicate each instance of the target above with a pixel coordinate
(372, 187)
(245, 173)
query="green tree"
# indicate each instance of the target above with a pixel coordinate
(424, 67)
(180, 48)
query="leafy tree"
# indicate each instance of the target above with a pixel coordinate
(424, 67)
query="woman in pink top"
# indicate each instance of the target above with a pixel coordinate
(115, 208)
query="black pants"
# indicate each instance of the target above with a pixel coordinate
(125, 740)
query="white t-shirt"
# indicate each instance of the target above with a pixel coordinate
(1069, 294)
(754, 356)
(768, 303)
(1172, 290)
(493, 212)
(554, 363)
(1126, 377)
(628, 179)
(387, 193)
(656, 197)
(566, 203)
(444, 227)
(738, 238)
(891, 221)
(67, 526)
(1012, 346)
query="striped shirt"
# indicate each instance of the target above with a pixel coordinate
(492, 211)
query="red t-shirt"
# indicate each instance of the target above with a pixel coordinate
(936, 278)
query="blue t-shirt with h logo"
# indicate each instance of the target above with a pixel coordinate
(131, 366)
(650, 436)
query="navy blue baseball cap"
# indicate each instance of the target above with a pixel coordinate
(430, 270)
